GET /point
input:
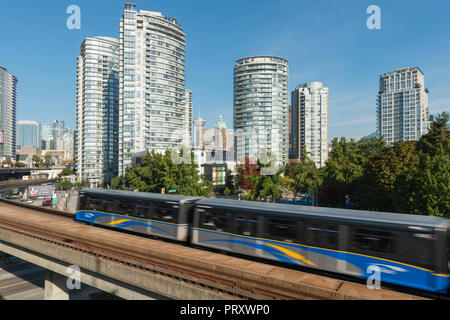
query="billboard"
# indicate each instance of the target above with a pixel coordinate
(40, 191)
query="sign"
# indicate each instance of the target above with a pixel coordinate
(54, 198)
(2, 136)
(40, 191)
(172, 191)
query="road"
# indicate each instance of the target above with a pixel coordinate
(21, 280)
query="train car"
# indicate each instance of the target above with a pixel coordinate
(406, 250)
(165, 216)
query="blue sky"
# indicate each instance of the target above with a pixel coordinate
(323, 40)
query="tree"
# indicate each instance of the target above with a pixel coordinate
(345, 167)
(66, 172)
(82, 185)
(426, 190)
(230, 183)
(7, 163)
(248, 169)
(64, 185)
(266, 187)
(376, 186)
(48, 159)
(158, 171)
(305, 178)
(37, 161)
(21, 165)
(118, 183)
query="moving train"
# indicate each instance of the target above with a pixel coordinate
(407, 250)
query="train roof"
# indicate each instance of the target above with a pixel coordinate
(136, 195)
(328, 213)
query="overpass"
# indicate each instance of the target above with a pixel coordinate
(19, 173)
(134, 267)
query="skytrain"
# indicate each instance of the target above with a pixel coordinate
(406, 250)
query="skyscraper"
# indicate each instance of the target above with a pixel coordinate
(28, 134)
(97, 110)
(152, 106)
(402, 105)
(309, 123)
(188, 118)
(58, 129)
(261, 108)
(8, 111)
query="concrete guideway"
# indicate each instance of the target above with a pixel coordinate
(223, 272)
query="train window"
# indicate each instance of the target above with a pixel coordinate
(372, 240)
(285, 230)
(142, 209)
(313, 234)
(82, 202)
(125, 207)
(322, 235)
(94, 204)
(417, 249)
(216, 221)
(245, 225)
(330, 237)
(108, 205)
(165, 212)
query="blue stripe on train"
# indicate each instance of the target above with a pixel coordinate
(391, 272)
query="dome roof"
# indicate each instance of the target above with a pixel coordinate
(220, 124)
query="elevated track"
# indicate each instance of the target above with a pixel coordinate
(208, 275)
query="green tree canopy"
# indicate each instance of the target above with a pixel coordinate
(376, 186)
(158, 171)
(66, 172)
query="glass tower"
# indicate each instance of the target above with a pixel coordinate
(261, 108)
(402, 105)
(28, 134)
(8, 112)
(97, 110)
(152, 106)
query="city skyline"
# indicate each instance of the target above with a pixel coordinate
(352, 106)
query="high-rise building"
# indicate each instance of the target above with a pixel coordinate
(8, 112)
(28, 134)
(58, 129)
(47, 137)
(261, 108)
(188, 118)
(402, 105)
(97, 110)
(199, 129)
(309, 123)
(152, 106)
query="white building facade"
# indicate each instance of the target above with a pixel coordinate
(309, 123)
(8, 114)
(261, 108)
(402, 106)
(152, 106)
(97, 111)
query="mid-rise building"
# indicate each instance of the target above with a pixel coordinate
(8, 113)
(97, 111)
(47, 136)
(402, 105)
(261, 108)
(28, 134)
(309, 123)
(58, 128)
(152, 106)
